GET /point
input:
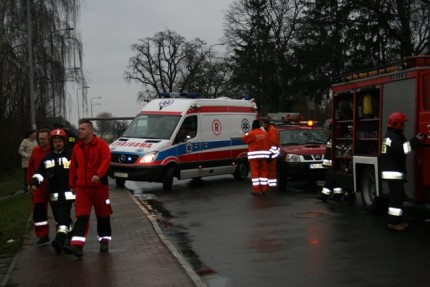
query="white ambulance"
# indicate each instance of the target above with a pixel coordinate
(184, 138)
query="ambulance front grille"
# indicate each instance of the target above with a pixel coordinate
(124, 158)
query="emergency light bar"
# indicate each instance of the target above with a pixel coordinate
(309, 123)
(284, 116)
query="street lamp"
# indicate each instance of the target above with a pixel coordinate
(97, 104)
(77, 100)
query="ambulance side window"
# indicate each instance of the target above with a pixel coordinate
(188, 130)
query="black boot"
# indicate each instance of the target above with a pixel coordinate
(59, 242)
(76, 250)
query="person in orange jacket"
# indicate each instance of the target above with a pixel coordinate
(88, 178)
(274, 153)
(258, 153)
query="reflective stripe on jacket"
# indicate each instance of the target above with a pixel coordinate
(258, 143)
(394, 149)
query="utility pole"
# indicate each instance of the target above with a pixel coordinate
(77, 100)
(30, 68)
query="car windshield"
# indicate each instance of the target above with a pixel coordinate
(152, 127)
(299, 137)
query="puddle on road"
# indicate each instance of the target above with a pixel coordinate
(309, 214)
(177, 234)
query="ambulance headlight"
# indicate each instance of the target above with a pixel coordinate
(149, 157)
(292, 158)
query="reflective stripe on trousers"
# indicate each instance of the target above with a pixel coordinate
(395, 211)
(395, 175)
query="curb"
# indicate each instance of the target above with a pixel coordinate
(179, 257)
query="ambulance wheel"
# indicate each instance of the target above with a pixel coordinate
(242, 170)
(120, 182)
(168, 178)
(370, 200)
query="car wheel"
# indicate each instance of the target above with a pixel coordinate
(120, 182)
(168, 178)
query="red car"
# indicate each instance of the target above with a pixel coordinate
(302, 151)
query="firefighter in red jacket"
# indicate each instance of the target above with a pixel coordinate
(274, 153)
(258, 153)
(55, 168)
(88, 178)
(394, 149)
(40, 196)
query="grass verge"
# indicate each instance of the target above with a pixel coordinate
(11, 182)
(14, 214)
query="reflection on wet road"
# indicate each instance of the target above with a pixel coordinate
(287, 238)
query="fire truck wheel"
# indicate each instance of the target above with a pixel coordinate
(369, 199)
(120, 182)
(242, 170)
(168, 178)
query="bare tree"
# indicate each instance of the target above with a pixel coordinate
(165, 63)
(104, 127)
(56, 54)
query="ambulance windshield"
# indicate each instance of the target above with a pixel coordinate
(152, 127)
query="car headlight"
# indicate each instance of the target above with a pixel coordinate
(149, 157)
(292, 158)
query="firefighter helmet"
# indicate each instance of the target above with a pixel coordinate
(396, 119)
(58, 133)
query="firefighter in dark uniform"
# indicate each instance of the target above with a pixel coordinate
(55, 168)
(71, 137)
(394, 149)
(330, 187)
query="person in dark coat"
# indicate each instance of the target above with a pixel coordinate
(394, 149)
(55, 168)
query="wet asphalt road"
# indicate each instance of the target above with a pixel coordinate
(287, 238)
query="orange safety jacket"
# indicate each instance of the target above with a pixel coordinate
(258, 143)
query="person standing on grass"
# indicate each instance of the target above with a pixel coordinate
(40, 196)
(88, 178)
(25, 148)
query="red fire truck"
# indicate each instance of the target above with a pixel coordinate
(361, 105)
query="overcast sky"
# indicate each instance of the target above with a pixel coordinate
(109, 27)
